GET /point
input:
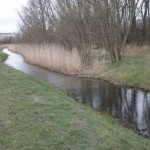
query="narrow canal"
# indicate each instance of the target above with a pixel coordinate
(130, 106)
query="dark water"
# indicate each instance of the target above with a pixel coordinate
(130, 106)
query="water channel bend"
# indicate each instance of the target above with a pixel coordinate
(129, 106)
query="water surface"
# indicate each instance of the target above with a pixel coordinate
(130, 106)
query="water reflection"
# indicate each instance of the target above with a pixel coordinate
(130, 106)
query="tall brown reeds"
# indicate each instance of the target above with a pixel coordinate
(133, 50)
(54, 58)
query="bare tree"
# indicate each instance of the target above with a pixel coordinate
(144, 11)
(80, 23)
(111, 16)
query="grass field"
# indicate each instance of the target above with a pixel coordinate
(36, 116)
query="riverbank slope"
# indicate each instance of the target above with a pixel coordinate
(34, 115)
(133, 70)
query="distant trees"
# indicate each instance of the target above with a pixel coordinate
(5, 40)
(83, 23)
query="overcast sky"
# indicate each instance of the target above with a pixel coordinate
(8, 15)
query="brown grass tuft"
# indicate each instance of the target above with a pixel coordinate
(96, 69)
(137, 50)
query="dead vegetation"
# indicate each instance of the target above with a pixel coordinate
(133, 51)
(54, 58)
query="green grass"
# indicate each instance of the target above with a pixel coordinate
(36, 116)
(2, 56)
(131, 71)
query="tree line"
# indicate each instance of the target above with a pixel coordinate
(86, 24)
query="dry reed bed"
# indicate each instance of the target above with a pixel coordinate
(137, 51)
(52, 57)
(57, 59)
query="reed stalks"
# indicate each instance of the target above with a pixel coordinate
(133, 50)
(51, 57)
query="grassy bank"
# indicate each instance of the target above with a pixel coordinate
(133, 70)
(36, 116)
(2, 56)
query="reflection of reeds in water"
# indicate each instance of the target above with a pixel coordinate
(52, 57)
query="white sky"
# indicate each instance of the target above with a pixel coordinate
(8, 14)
